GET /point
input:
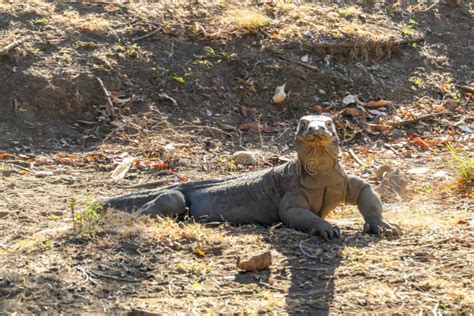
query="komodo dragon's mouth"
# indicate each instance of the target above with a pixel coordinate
(320, 138)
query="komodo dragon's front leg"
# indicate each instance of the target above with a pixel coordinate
(369, 204)
(294, 212)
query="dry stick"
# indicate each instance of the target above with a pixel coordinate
(419, 118)
(306, 253)
(431, 6)
(98, 274)
(109, 106)
(465, 88)
(5, 50)
(136, 39)
(357, 159)
(300, 63)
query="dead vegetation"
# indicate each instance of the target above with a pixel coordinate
(189, 86)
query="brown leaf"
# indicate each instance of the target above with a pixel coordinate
(256, 262)
(5, 155)
(420, 142)
(254, 126)
(379, 104)
(354, 112)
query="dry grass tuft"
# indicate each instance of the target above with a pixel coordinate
(86, 23)
(245, 20)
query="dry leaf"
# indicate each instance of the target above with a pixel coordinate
(5, 155)
(276, 37)
(122, 169)
(250, 126)
(379, 104)
(256, 263)
(280, 94)
(199, 252)
(161, 166)
(354, 112)
(420, 142)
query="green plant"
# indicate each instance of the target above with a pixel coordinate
(464, 166)
(416, 81)
(408, 31)
(39, 21)
(178, 79)
(86, 222)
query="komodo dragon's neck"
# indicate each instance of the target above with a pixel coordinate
(318, 161)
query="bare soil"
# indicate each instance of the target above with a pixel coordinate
(189, 95)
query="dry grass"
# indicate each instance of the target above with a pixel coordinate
(245, 20)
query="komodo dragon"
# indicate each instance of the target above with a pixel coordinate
(299, 193)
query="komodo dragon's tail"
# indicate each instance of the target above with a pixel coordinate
(133, 201)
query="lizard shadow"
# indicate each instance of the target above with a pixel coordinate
(304, 267)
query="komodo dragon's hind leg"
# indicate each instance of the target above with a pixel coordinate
(167, 203)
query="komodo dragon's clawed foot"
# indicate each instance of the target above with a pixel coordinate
(382, 228)
(326, 231)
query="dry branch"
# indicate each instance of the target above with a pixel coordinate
(417, 119)
(5, 50)
(109, 106)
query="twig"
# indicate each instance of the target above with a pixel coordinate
(98, 274)
(3, 197)
(300, 63)
(167, 97)
(419, 118)
(109, 106)
(3, 244)
(357, 159)
(305, 252)
(5, 50)
(139, 38)
(465, 88)
(431, 7)
(461, 121)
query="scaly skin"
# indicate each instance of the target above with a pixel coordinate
(299, 193)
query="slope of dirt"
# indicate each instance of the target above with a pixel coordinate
(192, 84)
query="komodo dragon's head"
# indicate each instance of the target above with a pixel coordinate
(317, 144)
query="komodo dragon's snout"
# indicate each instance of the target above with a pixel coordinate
(299, 193)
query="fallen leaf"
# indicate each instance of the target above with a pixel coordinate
(354, 112)
(379, 104)
(280, 95)
(161, 166)
(420, 142)
(91, 158)
(199, 252)
(305, 58)
(276, 37)
(250, 126)
(121, 170)
(183, 179)
(349, 99)
(256, 262)
(5, 155)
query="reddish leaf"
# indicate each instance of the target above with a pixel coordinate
(5, 155)
(420, 142)
(161, 166)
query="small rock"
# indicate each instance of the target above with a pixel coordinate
(256, 262)
(349, 99)
(246, 158)
(418, 170)
(393, 186)
(398, 133)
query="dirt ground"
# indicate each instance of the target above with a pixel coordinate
(190, 84)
